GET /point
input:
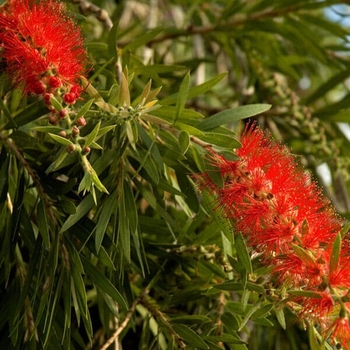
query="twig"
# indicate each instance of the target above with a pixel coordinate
(122, 326)
(158, 314)
(236, 22)
(101, 14)
(12, 146)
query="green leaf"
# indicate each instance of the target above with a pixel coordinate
(124, 94)
(280, 317)
(108, 208)
(189, 336)
(142, 39)
(305, 293)
(60, 157)
(182, 97)
(62, 140)
(29, 114)
(248, 316)
(184, 141)
(43, 224)
(328, 86)
(130, 206)
(225, 338)
(123, 228)
(195, 90)
(232, 115)
(103, 283)
(89, 139)
(263, 311)
(191, 319)
(305, 255)
(48, 129)
(84, 109)
(56, 103)
(335, 255)
(155, 69)
(314, 344)
(236, 286)
(227, 141)
(11, 122)
(102, 131)
(90, 178)
(242, 253)
(82, 209)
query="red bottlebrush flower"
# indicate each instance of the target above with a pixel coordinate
(340, 332)
(340, 278)
(283, 216)
(296, 271)
(270, 198)
(42, 46)
(319, 305)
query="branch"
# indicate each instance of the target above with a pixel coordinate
(42, 194)
(123, 325)
(101, 14)
(158, 314)
(236, 22)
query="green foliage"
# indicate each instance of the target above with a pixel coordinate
(118, 242)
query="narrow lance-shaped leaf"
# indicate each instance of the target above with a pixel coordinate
(248, 316)
(280, 317)
(56, 103)
(333, 264)
(62, 140)
(242, 253)
(143, 39)
(124, 94)
(85, 108)
(189, 336)
(103, 283)
(232, 115)
(92, 136)
(182, 97)
(109, 207)
(184, 141)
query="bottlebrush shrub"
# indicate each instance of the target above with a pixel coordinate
(284, 218)
(105, 237)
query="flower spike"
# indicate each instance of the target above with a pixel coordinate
(282, 214)
(42, 47)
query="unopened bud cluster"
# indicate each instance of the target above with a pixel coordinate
(211, 253)
(311, 130)
(129, 112)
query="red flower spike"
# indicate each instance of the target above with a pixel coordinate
(284, 217)
(41, 45)
(340, 330)
(320, 305)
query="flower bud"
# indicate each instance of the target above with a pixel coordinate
(69, 98)
(55, 82)
(75, 131)
(71, 148)
(38, 87)
(47, 98)
(86, 150)
(53, 119)
(81, 121)
(63, 113)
